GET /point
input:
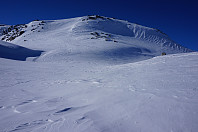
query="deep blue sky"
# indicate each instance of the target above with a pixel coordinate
(177, 18)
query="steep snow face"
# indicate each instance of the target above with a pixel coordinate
(124, 28)
(112, 26)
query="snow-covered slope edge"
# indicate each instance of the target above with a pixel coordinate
(15, 52)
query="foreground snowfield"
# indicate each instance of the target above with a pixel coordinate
(158, 94)
(110, 81)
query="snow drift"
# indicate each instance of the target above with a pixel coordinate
(15, 52)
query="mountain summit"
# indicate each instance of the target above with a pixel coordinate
(103, 38)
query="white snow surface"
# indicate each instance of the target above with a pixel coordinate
(12, 51)
(96, 75)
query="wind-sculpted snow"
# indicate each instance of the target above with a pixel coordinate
(96, 74)
(124, 28)
(159, 94)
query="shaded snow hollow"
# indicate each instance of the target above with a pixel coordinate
(15, 52)
(95, 74)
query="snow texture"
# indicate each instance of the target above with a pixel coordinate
(95, 74)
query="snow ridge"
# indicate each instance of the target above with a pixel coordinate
(88, 24)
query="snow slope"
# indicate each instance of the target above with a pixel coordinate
(158, 95)
(96, 74)
(92, 38)
(15, 52)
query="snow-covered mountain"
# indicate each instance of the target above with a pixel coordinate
(96, 36)
(95, 74)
